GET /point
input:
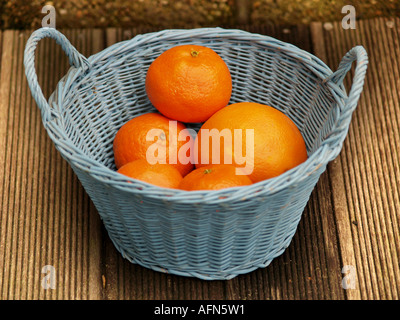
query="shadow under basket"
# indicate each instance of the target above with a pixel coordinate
(205, 234)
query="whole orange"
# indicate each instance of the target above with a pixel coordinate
(162, 175)
(153, 137)
(214, 177)
(259, 138)
(189, 83)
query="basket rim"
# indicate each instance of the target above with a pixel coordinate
(320, 68)
(320, 156)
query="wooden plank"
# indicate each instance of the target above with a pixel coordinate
(46, 217)
(5, 89)
(1, 47)
(386, 73)
(343, 222)
(365, 176)
(11, 171)
(20, 159)
(390, 48)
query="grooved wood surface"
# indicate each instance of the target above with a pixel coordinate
(350, 225)
(366, 174)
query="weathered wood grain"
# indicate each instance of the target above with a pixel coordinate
(46, 217)
(365, 176)
(352, 218)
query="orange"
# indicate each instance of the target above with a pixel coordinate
(153, 137)
(214, 177)
(162, 175)
(188, 83)
(277, 144)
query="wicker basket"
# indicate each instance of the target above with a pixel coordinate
(204, 234)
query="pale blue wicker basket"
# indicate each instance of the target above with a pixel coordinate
(203, 234)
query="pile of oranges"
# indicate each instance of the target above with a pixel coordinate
(237, 145)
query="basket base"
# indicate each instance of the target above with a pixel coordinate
(188, 271)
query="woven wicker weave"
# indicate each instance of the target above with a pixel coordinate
(204, 234)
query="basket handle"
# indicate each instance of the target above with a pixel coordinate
(359, 55)
(75, 59)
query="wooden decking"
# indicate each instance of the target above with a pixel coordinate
(349, 229)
